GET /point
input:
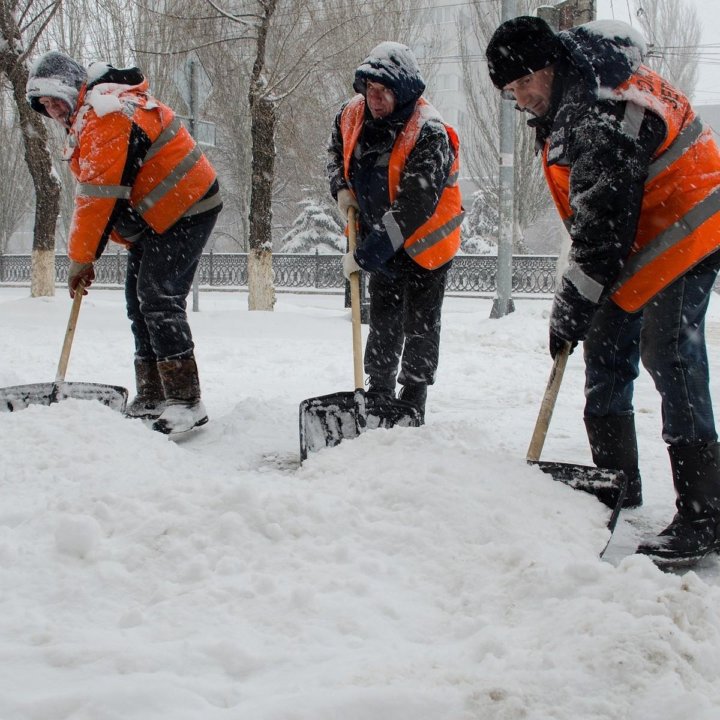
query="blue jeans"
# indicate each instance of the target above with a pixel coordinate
(668, 334)
(160, 271)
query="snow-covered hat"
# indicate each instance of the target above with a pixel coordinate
(55, 75)
(393, 65)
(519, 47)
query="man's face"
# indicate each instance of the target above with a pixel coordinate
(380, 100)
(533, 92)
(57, 109)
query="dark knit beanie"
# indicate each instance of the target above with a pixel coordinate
(55, 75)
(521, 46)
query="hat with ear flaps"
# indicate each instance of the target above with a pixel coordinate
(55, 75)
(521, 46)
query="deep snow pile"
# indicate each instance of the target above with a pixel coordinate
(419, 574)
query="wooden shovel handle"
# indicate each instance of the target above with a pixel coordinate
(355, 305)
(70, 333)
(548, 404)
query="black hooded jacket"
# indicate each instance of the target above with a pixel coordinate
(427, 168)
(608, 166)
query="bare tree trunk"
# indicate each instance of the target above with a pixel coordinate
(37, 157)
(263, 122)
(260, 277)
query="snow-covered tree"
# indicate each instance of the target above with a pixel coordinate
(314, 229)
(480, 226)
(15, 180)
(21, 24)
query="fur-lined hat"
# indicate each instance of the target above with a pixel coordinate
(55, 75)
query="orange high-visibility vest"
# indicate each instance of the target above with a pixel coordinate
(173, 176)
(679, 222)
(437, 240)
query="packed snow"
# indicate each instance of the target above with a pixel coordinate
(410, 574)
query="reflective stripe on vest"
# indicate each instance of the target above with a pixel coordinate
(123, 192)
(163, 138)
(204, 205)
(679, 223)
(170, 181)
(119, 192)
(437, 241)
(426, 242)
(667, 240)
(690, 135)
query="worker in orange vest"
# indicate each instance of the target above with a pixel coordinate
(143, 183)
(394, 159)
(636, 179)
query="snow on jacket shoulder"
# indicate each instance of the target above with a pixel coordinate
(128, 150)
(606, 165)
(620, 191)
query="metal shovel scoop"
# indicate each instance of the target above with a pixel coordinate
(609, 486)
(18, 397)
(327, 420)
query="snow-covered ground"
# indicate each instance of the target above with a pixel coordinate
(411, 574)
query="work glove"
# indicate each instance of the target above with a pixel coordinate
(77, 272)
(557, 343)
(375, 251)
(349, 265)
(345, 200)
(570, 317)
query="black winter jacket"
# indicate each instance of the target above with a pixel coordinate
(426, 171)
(608, 167)
(427, 168)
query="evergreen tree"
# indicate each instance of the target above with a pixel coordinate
(480, 226)
(314, 229)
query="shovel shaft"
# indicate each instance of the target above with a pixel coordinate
(69, 334)
(548, 404)
(355, 305)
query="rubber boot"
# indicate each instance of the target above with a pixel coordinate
(613, 444)
(381, 385)
(184, 410)
(695, 530)
(415, 394)
(149, 402)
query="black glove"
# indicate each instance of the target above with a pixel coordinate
(557, 343)
(375, 250)
(570, 317)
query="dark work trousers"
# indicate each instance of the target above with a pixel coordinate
(405, 310)
(160, 271)
(668, 335)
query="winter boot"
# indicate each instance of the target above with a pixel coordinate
(149, 402)
(382, 385)
(613, 444)
(415, 394)
(184, 410)
(695, 529)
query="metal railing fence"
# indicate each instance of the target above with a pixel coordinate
(531, 275)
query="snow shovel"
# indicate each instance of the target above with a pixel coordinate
(609, 486)
(18, 397)
(327, 420)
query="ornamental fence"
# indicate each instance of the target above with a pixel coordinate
(531, 274)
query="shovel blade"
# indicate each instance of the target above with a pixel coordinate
(608, 486)
(327, 420)
(18, 397)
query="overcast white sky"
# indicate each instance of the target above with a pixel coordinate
(708, 89)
